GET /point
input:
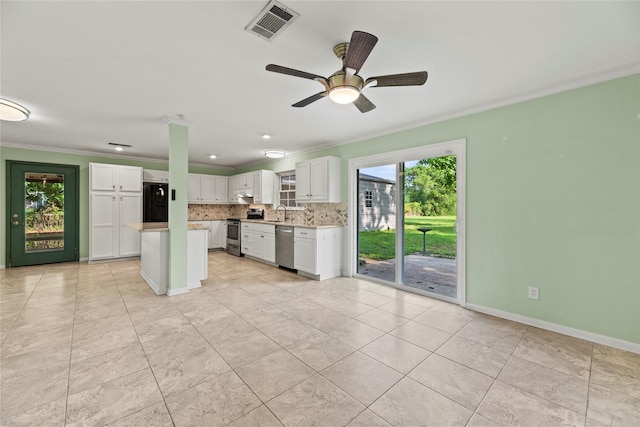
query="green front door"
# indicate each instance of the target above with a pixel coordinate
(42, 213)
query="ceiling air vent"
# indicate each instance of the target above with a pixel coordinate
(270, 22)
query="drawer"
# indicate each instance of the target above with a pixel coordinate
(264, 228)
(246, 236)
(246, 226)
(304, 233)
(247, 249)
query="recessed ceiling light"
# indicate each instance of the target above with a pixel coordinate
(119, 149)
(12, 112)
(266, 136)
(275, 154)
(213, 156)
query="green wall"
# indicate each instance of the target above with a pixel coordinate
(553, 201)
(10, 153)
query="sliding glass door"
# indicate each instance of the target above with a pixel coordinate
(406, 228)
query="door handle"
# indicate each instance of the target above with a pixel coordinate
(15, 223)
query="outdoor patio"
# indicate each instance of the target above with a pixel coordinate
(424, 272)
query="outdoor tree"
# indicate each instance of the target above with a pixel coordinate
(430, 187)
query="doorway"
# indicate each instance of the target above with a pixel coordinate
(42, 208)
(407, 226)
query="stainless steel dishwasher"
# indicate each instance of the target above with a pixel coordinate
(284, 246)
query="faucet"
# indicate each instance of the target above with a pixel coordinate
(285, 210)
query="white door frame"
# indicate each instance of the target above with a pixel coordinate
(458, 148)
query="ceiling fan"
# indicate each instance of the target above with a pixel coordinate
(345, 85)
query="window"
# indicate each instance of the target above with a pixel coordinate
(287, 188)
(368, 199)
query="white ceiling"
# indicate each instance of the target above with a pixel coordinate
(98, 72)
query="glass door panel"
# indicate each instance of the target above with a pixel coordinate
(44, 212)
(430, 198)
(377, 210)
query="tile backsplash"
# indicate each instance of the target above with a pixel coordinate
(313, 213)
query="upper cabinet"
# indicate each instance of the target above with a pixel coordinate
(319, 180)
(150, 175)
(207, 189)
(105, 177)
(257, 185)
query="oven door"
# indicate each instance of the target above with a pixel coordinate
(233, 233)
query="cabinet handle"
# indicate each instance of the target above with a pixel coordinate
(121, 187)
(114, 197)
(114, 186)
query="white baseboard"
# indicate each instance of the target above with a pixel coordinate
(194, 285)
(173, 292)
(2, 267)
(561, 329)
(159, 290)
(85, 259)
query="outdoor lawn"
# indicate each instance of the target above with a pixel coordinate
(441, 240)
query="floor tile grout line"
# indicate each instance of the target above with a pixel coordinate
(146, 357)
(66, 406)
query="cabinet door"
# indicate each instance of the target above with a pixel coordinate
(304, 255)
(219, 234)
(103, 226)
(258, 245)
(194, 189)
(303, 181)
(130, 210)
(221, 189)
(318, 180)
(233, 187)
(207, 189)
(103, 177)
(269, 248)
(130, 178)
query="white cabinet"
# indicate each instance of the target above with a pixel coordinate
(319, 180)
(129, 206)
(207, 189)
(264, 242)
(246, 238)
(105, 177)
(150, 175)
(318, 251)
(257, 185)
(115, 211)
(258, 241)
(218, 235)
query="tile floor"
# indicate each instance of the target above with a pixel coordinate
(257, 346)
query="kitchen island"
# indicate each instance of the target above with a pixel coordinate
(154, 257)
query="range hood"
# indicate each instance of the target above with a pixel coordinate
(246, 193)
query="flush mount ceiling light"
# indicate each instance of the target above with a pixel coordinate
(12, 112)
(275, 154)
(119, 147)
(213, 156)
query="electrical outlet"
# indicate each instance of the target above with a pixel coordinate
(534, 293)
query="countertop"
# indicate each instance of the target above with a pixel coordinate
(163, 226)
(289, 223)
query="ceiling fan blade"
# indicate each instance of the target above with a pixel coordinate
(291, 72)
(360, 47)
(363, 104)
(309, 100)
(406, 79)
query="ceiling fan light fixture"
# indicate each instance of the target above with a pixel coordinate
(344, 94)
(275, 154)
(12, 112)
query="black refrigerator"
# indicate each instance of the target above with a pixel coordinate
(155, 202)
